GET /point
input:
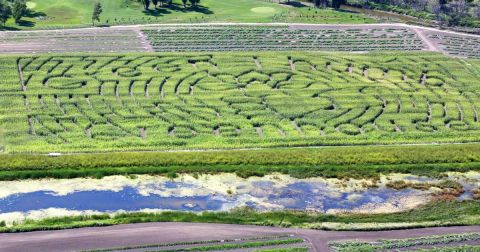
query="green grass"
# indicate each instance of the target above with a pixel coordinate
(118, 102)
(72, 13)
(344, 162)
(433, 214)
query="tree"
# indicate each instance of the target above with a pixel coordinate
(19, 10)
(194, 2)
(477, 12)
(155, 3)
(184, 3)
(97, 10)
(4, 11)
(456, 11)
(146, 4)
(320, 3)
(337, 3)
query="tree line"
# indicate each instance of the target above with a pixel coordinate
(148, 3)
(326, 3)
(448, 12)
(15, 9)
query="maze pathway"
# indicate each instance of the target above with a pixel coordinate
(208, 100)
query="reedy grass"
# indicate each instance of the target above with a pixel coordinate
(441, 213)
(332, 162)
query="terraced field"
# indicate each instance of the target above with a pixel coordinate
(271, 38)
(200, 100)
(458, 46)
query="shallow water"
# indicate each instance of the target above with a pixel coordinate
(297, 196)
(223, 192)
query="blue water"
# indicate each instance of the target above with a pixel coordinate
(127, 199)
(299, 196)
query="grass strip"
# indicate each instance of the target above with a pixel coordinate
(239, 245)
(184, 243)
(433, 214)
(338, 162)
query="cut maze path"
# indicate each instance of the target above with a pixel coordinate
(242, 37)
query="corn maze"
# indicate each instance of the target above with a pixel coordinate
(235, 100)
(271, 38)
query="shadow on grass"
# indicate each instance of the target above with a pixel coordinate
(347, 11)
(26, 23)
(178, 8)
(35, 14)
(157, 12)
(295, 4)
(8, 28)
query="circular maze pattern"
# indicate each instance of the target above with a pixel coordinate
(237, 100)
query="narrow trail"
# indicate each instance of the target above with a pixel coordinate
(144, 40)
(155, 233)
(428, 42)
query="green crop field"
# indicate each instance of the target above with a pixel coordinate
(458, 46)
(280, 38)
(72, 13)
(83, 103)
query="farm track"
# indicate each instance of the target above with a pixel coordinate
(156, 233)
(133, 39)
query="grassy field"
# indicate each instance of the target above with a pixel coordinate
(68, 13)
(118, 102)
(349, 162)
(433, 214)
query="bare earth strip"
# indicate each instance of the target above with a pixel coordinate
(132, 39)
(156, 233)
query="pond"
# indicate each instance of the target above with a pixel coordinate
(34, 199)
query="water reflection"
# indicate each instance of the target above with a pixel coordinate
(221, 192)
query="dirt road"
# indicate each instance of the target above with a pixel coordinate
(154, 233)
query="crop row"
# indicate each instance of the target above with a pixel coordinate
(280, 38)
(459, 46)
